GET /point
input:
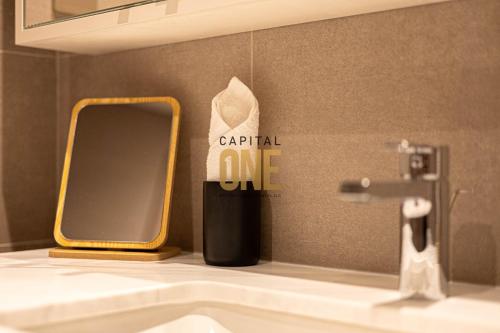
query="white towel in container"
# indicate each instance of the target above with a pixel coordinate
(235, 113)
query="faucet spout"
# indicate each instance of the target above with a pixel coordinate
(367, 191)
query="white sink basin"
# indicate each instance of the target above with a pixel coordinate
(182, 294)
(199, 318)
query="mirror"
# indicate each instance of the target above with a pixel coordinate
(42, 12)
(118, 173)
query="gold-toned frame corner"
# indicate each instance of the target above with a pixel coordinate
(159, 240)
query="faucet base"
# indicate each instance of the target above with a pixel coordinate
(428, 285)
(421, 273)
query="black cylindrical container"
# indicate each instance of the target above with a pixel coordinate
(231, 225)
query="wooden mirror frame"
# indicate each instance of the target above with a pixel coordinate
(159, 240)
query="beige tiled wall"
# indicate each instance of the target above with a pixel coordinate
(333, 92)
(27, 140)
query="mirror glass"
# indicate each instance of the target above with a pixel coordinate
(42, 12)
(118, 172)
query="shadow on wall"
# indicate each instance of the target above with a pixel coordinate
(28, 147)
(266, 228)
(474, 241)
(181, 219)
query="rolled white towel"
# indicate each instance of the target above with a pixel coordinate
(235, 113)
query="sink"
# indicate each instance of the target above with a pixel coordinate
(199, 318)
(41, 294)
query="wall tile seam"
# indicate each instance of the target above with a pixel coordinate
(251, 61)
(65, 55)
(58, 127)
(27, 54)
(27, 243)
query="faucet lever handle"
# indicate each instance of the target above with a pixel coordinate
(455, 195)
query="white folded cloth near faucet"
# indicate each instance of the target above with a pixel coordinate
(419, 270)
(235, 113)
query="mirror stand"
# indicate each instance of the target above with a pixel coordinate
(104, 254)
(117, 180)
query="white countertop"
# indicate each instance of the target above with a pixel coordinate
(37, 290)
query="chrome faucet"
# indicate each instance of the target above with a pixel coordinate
(424, 196)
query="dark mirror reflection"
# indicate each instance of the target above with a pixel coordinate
(117, 176)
